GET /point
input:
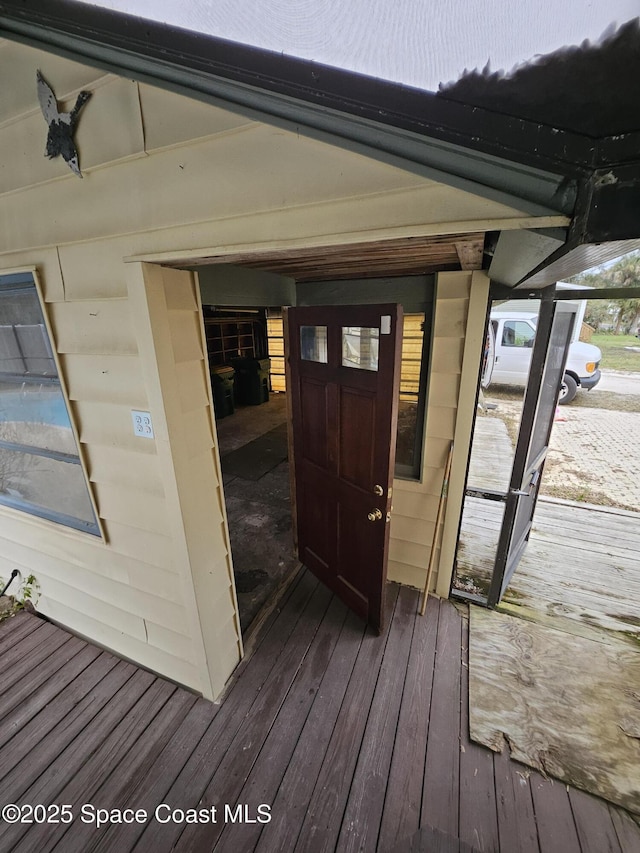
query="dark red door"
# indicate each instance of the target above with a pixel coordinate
(344, 366)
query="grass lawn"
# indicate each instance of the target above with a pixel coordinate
(614, 354)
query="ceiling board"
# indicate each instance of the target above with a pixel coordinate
(405, 256)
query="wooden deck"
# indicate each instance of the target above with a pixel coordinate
(580, 564)
(354, 742)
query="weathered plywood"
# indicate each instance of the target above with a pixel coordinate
(587, 733)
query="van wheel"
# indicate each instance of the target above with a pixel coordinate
(568, 389)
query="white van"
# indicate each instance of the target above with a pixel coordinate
(512, 333)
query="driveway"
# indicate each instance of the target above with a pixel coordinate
(620, 382)
(594, 452)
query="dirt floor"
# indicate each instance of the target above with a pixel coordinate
(594, 455)
(253, 450)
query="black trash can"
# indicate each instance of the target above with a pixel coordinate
(252, 380)
(222, 380)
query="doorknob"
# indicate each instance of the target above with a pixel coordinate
(375, 515)
(378, 490)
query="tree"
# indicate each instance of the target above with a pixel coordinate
(623, 273)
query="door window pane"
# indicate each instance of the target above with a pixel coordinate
(360, 347)
(313, 343)
(40, 470)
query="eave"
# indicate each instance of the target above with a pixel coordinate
(539, 169)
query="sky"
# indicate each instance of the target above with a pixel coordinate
(420, 43)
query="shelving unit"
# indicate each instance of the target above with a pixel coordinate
(229, 337)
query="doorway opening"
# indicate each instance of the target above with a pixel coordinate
(244, 330)
(245, 347)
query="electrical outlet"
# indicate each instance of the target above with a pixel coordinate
(142, 424)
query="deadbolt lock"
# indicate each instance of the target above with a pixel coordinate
(378, 490)
(375, 515)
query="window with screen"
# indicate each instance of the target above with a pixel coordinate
(40, 470)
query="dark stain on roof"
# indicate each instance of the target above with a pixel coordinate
(592, 89)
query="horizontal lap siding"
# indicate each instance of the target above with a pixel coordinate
(416, 503)
(187, 446)
(125, 592)
(163, 174)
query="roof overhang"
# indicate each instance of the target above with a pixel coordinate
(541, 170)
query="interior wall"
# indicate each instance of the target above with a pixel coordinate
(226, 284)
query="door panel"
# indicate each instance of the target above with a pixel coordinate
(345, 374)
(555, 326)
(357, 435)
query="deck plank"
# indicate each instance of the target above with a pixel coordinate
(43, 695)
(298, 782)
(440, 801)
(151, 790)
(363, 815)
(28, 653)
(401, 816)
(270, 766)
(123, 759)
(14, 628)
(354, 740)
(556, 825)
(596, 831)
(321, 826)
(627, 830)
(56, 759)
(245, 697)
(85, 693)
(118, 751)
(516, 818)
(31, 681)
(235, 765)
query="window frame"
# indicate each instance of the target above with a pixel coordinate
(413, 473)
(27, 279)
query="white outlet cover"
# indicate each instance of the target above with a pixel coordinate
(142, 424)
